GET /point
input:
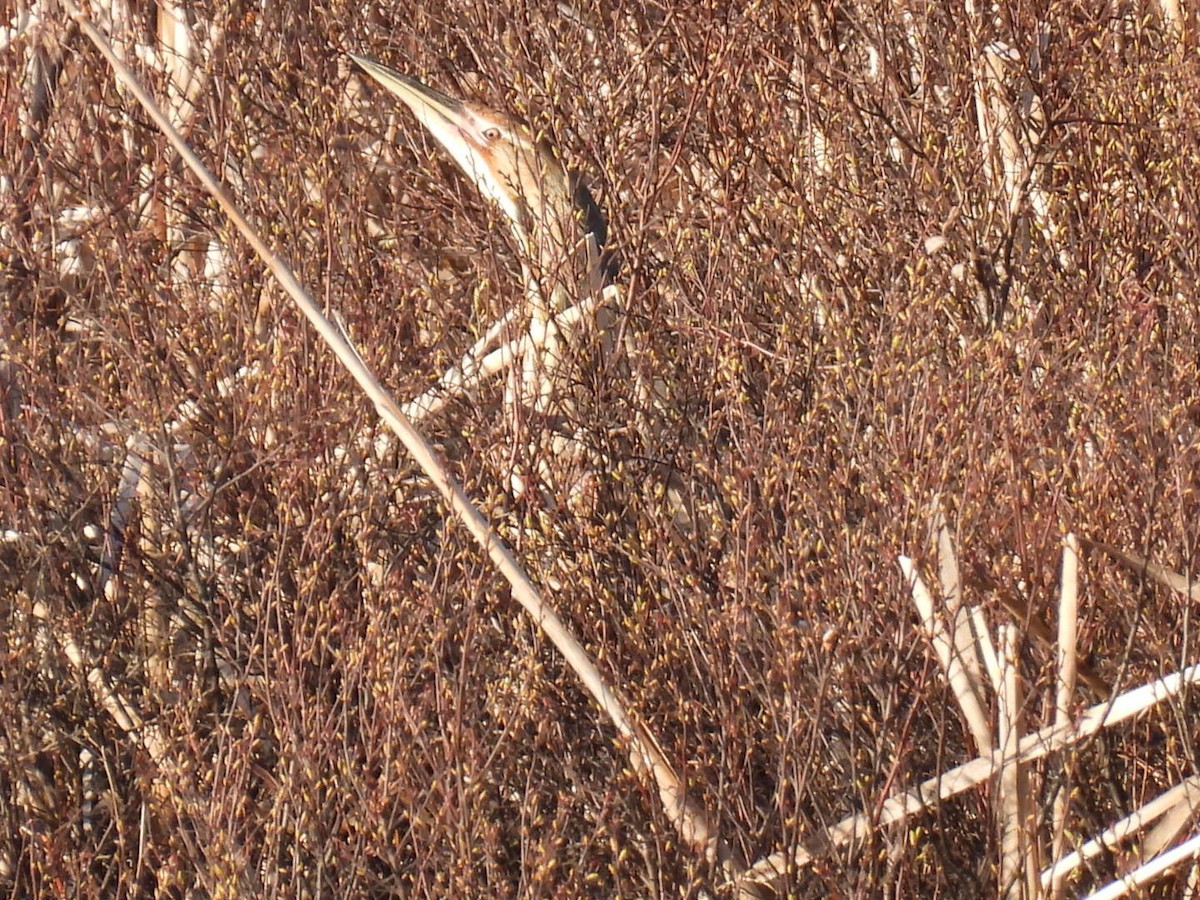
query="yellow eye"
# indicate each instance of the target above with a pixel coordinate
(492, 134)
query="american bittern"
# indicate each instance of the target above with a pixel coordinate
(550, 209)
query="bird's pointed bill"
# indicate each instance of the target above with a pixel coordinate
(452, 123)
(420, 98)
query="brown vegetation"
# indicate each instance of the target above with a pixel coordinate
(878, 262)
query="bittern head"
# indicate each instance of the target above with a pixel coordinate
(502, 156)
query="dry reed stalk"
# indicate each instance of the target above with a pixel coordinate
(1011, 121)
(1153, 869)
(1015, 812)
(964, 685)
(1068, 612)
(1170, 827)
(117, 705)
(1180, 584)
(960, 614)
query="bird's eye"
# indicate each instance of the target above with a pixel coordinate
(492, 134)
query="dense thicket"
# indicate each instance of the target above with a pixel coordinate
(872, 254)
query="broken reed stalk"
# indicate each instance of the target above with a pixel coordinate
(1032, 747)
(962, 681)
(1184, 796)
(1068, 626)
